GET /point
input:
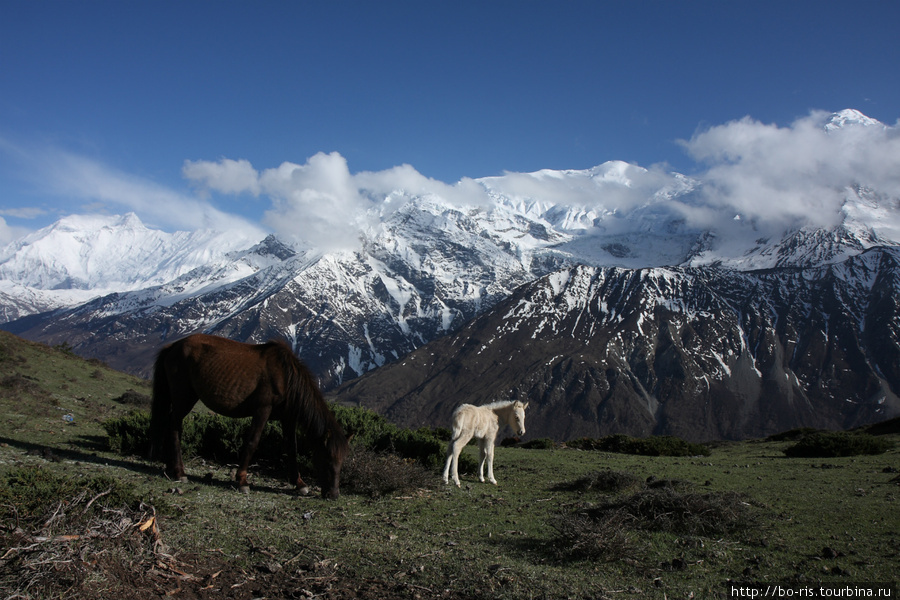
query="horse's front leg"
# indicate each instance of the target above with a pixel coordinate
(250, 444)
(174, 462)
(289, 430)
(482, 458)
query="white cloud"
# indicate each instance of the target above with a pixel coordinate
(25, 212)
(226, 176)
(92, 181)
(799, 174)
(614, 186)
(10, 234)
(321, 202)
(770, 176)
(317, 202)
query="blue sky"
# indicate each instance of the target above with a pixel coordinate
(105, 105)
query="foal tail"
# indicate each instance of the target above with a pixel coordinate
(161, 406)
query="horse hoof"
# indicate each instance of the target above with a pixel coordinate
(304, 491)
(244, 489)
(182, 479)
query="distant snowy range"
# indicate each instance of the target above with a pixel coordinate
(760, 295)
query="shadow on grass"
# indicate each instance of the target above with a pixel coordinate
(93, 445)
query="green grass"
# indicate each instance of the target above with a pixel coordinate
(49, 396)
(484, 541)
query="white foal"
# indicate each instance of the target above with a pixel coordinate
(482, 423)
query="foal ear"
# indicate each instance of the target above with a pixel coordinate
(526, 405)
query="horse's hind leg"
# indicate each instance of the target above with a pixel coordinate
(453, 449)
(446, 475)
(253, 436)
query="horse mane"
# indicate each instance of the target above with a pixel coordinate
(499, 404)
(305, 400)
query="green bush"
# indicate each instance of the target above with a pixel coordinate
(28, 494)
(539, 444)
(664, 445)
(130, 434)
(374, 432)
(791, 435)
(219, 438)
(828, 444)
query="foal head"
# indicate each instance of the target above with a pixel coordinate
(517, 417)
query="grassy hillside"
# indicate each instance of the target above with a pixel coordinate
(79, 521)
(50, 396)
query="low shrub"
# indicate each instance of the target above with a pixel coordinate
(606, 481)
(791, 435)
(219, 438)
(828, 444)
(374, 432)
(29, 494)
(664, 445)
(129, 435)
(539, 444)
(579, 536)
(133, 398)
(686, 513)
(604, 531)
(374, 474)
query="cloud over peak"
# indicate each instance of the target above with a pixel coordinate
(796, 174)
(769, 176)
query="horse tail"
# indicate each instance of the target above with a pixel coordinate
(160, 407)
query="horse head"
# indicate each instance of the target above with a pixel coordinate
(330, 459)
(519, 417)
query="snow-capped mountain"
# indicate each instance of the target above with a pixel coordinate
(82, 257)
(424, 267)
(700, 353)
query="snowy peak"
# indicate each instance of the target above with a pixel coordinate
(850, 117)
(109, 253)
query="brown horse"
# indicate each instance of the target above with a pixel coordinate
(243, 380)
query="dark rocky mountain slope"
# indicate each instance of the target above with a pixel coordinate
(699, 353)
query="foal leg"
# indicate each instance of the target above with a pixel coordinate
(256, 428)
(482, 457)
(453, 449)
(446, 475)
(489, 452)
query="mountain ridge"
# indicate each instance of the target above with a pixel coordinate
(424, 266)
(680, 351)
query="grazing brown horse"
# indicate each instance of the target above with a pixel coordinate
(243, 380)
